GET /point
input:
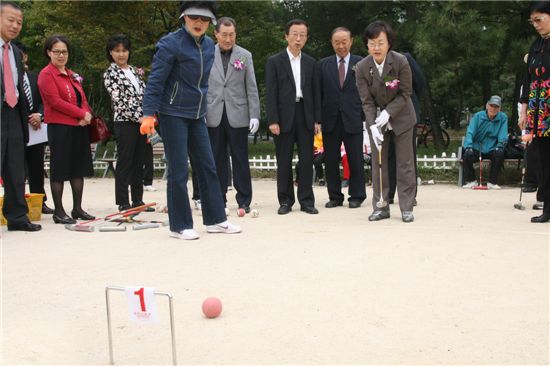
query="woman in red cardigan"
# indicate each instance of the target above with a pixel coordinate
(67, 113)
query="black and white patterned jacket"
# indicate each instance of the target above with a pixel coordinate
(126, 101)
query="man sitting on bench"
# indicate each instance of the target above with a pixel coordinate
(487, 133)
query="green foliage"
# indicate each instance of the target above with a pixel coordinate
(468, 50)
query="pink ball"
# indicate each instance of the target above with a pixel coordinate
(240, 212)
(212, 307)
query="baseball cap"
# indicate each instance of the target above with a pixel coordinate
(495, 100)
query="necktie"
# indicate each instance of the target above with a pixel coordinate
(27, 90)
(342, 72)
(9, 85)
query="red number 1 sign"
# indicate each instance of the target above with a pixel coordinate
(142, 307)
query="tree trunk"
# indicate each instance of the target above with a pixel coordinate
(434, 118)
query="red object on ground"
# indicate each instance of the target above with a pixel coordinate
(212, 307)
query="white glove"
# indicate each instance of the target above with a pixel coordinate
(254, 125)
(377, 136)
(382, 119)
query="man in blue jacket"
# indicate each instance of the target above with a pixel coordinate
(487, 133)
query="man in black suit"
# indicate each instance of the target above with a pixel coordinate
(342, 120)
(293, 107)
(13, 126)
(35, 153)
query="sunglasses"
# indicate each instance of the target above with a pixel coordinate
(195, 17)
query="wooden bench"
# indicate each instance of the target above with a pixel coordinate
(110, 160)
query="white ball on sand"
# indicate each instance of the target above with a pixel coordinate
(255, 213)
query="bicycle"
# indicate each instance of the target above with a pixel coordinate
(424, 134)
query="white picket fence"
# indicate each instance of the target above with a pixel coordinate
(434, 162)
(270, 163)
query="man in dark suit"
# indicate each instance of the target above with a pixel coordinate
(34, 153)
(341, 120)
(293, 107)
(13, 126)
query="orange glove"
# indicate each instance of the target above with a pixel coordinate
(147, 125)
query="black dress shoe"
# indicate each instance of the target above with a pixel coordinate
(379, 215)
(46, 210)
(333, 203)
(80, 214)
(124, 207)
(63, 219)
(354, 204)
(310, 210)
(545, 217)
(284, 209)
(141, 203)
(27, 226)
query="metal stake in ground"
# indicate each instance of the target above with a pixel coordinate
(520, 205)
(480, 187)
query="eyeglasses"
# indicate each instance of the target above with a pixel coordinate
(298, 35)
(58, 53)
(537, 20)
(195, 17)
(375, 45)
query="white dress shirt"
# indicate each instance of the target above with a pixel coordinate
(296, 72)
(132, 77)
(380, 67)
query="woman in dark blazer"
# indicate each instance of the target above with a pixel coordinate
(67, 113)
(126, 87)
(384, 82)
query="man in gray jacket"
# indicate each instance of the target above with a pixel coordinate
(233, 110)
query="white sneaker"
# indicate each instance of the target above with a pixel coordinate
(471, 184)
(149, 188)
(225, 227)
(492, 186)
(187, 234)
(198, 205)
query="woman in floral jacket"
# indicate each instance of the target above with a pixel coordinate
(535, 102)
(126, 87)
(67, 113)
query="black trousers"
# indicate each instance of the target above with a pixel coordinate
(237, 139)
(496, 157)
(300, 135)
(542, 147)
(35, 168)
(392, 166)
(533, 169)
(148, 165)
(353, 143)
(129, 165)
(12, 166)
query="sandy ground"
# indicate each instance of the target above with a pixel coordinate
(466, 283)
